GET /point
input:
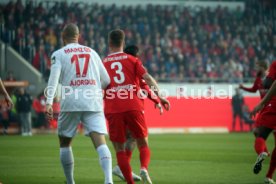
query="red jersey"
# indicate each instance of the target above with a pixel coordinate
(272, 74)
(267, 116)
(272, 71)
(258, 85)
(125, 73)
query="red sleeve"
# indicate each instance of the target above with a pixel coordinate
(140, 69)
(254, 88)
(36, 105)
(272, 71)
(143, 84)
(150, 93)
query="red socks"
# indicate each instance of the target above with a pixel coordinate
(272, 165)
(260, 145)
(129, 154)
(123, 159)
(124, 165)
(144, 156)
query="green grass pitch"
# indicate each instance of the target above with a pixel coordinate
(176, 159)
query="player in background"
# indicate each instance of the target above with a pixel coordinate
(82, 75)
(266, 123)
(258, 86)
(237, 104)
(130, 142)
(258, 83)
(124, 108)
(261, 68)
(7, 97)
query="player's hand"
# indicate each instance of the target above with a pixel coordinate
(256, 110)
(159, 106)
(49, 112)
(165, 103)
(9, 102)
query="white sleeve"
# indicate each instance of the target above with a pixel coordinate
(53, 79)
(104, 77)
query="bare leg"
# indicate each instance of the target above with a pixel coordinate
(130, 146)
(130, 143)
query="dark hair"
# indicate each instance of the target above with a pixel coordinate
(132, 50)
(116, 37)
(263, 64)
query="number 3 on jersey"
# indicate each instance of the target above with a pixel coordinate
(118, 66)
(75, 59)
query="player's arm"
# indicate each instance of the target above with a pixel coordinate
(151, 96)
(149, 93)
(52, 85)
(104, 77)
(252, 89)
(153, 85)
(271, 92)
(142, 73)
(4, 92)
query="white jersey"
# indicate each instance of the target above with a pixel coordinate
(82, 76)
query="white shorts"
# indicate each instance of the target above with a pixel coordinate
(92, 122)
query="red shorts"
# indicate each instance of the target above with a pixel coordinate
(119, 123)
(267, 117)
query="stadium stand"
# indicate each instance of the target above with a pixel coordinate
(177, 43)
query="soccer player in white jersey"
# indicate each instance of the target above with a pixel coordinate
(82, 75)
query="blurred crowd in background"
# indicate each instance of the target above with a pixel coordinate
(176, 43)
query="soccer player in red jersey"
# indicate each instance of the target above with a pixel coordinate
(130, 142)
(266, 123)
(258, 83)
(124, 108)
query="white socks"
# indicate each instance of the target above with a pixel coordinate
(105, 162)
(67, 161)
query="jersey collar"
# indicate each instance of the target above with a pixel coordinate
(115, 53)
(72, 44)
